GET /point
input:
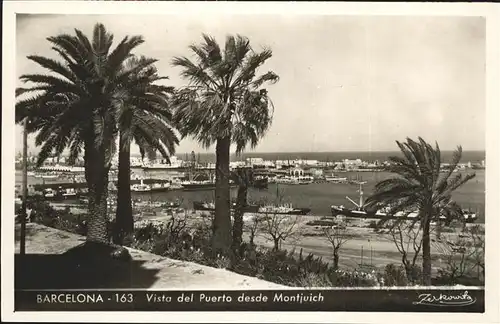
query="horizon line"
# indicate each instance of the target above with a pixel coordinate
(372, 151)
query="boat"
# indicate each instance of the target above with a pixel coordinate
(210, 206)
(201, 185)
(175, 164)
(198, 185)
(175, 186)
(159, 187)
(140, 187)
(160, 166)
(361, 212)
(69, 193)
(286, 209)
(46, 176)
(300, 180)
(335, 179)
(51, 194)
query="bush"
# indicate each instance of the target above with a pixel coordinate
(194, 245)
(395, 275)
(341, 278)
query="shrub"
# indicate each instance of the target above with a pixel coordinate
(341, 278)
(395, 275)
(194, 244)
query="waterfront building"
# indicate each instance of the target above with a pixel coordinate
(296, 172)
(237, 164)
(253, 161)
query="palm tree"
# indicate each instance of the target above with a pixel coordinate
(144, 118)
(421, 186)
(243, 178)
(223, 104)
(74, 108)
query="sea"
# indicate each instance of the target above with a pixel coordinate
(371, 156)
(317, 196)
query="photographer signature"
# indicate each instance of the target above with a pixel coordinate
(430, 299)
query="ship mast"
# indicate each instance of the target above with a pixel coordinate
(360, 194)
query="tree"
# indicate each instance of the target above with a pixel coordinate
(463, 258)
(74, 108)
(406, 236)
(337, 236)
(144, 117)
(278, 227)
(243, 177)
(419, 185)
(253, 227)
(224, 103)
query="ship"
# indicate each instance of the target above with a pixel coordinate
(160, 187)
(69, 193)
(162, 166)
(286, 209)
(362, 212)
(301, 180)
(46, 176)
(140, 187)
(202, 185)
(333, 178)
(51, 194)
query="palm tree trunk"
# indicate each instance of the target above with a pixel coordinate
(24, 215)
(96, 173)
(222, 220)
(241, 202)
(426, 251)
(124, 219)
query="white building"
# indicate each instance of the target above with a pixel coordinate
(255, 161)
(237, 164)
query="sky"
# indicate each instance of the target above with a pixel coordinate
(347, 83)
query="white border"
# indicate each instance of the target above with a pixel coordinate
(488, 10)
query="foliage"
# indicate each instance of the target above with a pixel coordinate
(463, 259)
(337, 236)
(408, 240)
(276, 227)
(76, 107)
(395, 275)
(419, 186)
(223, 104)
(224, 96)
(282, 267)
(145, 118)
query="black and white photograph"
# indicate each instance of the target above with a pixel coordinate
(294, 158)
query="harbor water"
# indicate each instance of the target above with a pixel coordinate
(316, 196)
